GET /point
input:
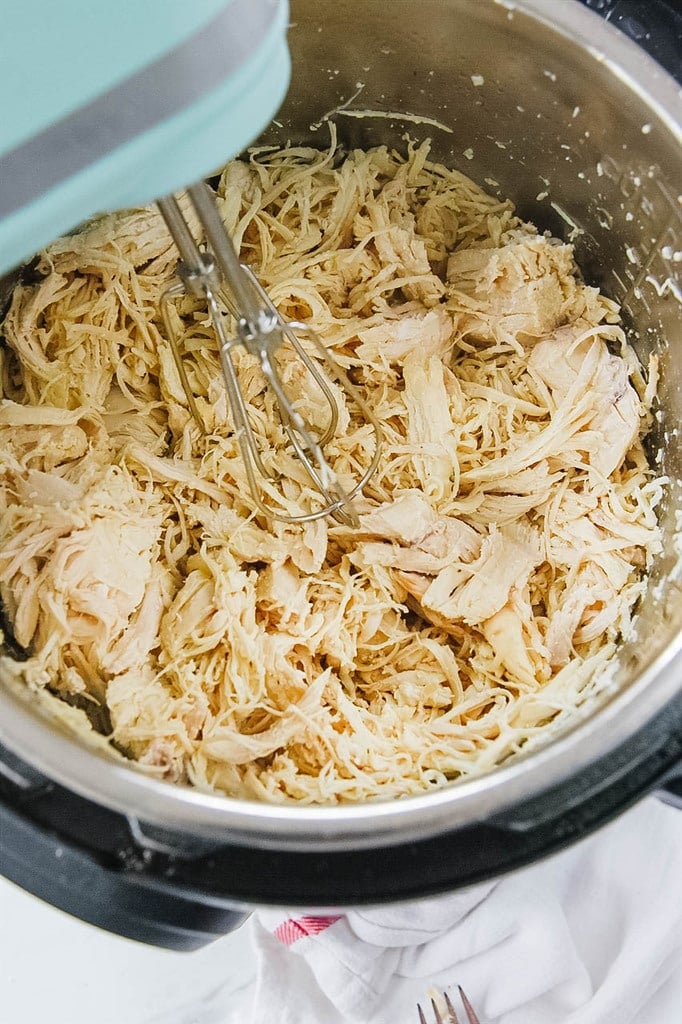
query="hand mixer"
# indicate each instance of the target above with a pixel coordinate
(113, 104)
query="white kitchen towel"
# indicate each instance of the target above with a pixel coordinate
(592, 935)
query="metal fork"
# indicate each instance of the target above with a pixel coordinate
(452, 1017)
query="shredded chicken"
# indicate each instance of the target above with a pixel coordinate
(504, 540)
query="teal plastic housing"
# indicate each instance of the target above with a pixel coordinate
(56, 57)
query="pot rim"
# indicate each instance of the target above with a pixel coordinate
(106, 781)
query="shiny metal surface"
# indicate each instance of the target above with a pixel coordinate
(557, 110)
(218, 275)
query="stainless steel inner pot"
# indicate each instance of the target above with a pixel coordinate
(552, 107)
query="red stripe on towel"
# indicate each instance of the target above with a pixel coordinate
(292, 930)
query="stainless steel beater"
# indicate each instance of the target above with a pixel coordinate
(216, 274)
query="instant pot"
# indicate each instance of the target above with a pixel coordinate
(553, 105)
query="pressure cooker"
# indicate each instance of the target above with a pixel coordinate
(574, 114)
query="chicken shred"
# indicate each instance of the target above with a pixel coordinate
(504, 540)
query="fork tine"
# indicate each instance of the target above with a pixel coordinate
(436, 1012)
(473, 1019)
(452, 1013)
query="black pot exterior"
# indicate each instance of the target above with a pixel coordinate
(177, 891)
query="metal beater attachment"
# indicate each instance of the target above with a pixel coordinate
(217, 274)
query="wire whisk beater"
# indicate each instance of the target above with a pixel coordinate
(216, 275)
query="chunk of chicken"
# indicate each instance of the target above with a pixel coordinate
(591, 602)
(392, 341)
(99, 575)
(80, 571)
(614, 427)
(422, 540)
(519, 291)
(431, 431)
(514, 637)
(282, 594)
(475, 591)
(141, 636)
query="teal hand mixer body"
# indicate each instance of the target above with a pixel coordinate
(120, 104)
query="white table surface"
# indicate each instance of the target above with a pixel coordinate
(56, 970)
